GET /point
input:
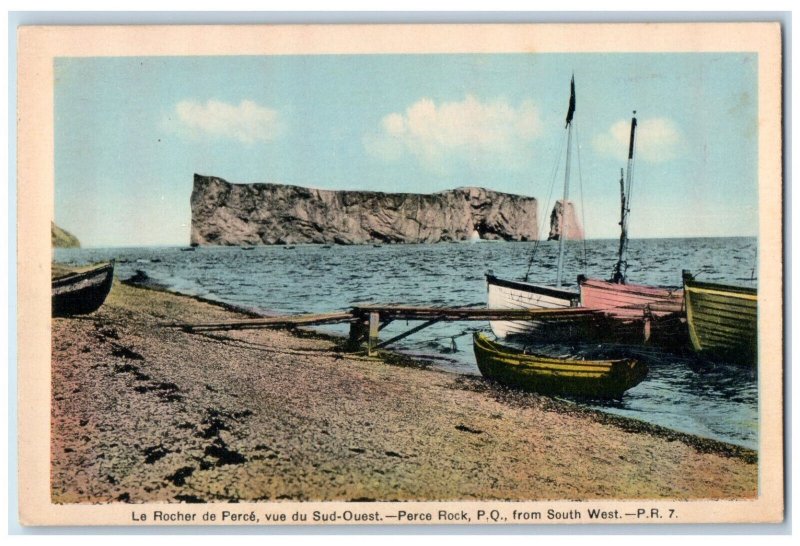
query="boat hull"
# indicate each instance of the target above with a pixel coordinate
(722, 320)
(506, 294)
(636, 313)
(601, 295)
(545, 375)
(81, 293)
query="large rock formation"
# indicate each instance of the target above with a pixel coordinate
(572, 227)
(60, 238)
(253, 214)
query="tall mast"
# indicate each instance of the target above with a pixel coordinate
(561, 234)
(622, 265)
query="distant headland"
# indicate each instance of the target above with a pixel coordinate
(60, 238)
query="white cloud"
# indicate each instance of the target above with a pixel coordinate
(657, 140)
(247, 122)
(493, 133)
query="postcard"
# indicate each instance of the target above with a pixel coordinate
(371, 275)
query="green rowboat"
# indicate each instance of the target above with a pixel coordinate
(560, 376)
(722, 319)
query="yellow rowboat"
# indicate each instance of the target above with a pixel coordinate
(564, 376)
(722, 319)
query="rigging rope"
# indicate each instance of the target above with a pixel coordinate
(583, 209)
(553, 176)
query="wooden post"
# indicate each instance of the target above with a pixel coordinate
(356, 328)
(358, 334)
(374, 328)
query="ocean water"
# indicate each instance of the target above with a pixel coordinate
(717, 400)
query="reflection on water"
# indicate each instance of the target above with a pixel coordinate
(713, 400)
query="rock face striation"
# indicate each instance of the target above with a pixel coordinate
(572, 227)
(60, 238)
(255, 214)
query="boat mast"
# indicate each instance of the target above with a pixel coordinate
(622, 264)
(561, 234)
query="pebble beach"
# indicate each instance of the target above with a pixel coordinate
(144, 412)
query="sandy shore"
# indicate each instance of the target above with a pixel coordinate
(146, 413)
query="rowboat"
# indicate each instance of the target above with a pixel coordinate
(513, 294)
(82, 292)
(722, 319)
(606, 378)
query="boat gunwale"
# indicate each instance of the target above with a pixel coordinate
(719, 288)
(735, 335)
(666, 293)
(69, 278)
(481, 339)
(524, 286)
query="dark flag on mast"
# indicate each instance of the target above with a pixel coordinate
(571, 110)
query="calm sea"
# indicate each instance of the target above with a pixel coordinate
(716, 401)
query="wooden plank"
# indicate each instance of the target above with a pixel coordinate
(269, 322)
(406, 333)
(460, 314)
(384, 323)
(386, 314)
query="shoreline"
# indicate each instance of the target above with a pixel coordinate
(702, 443)
(143, 413)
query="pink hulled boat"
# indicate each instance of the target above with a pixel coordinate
(599, 294)
(636, 312)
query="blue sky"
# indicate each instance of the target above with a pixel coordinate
(131, 132)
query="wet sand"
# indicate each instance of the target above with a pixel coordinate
(146, 413)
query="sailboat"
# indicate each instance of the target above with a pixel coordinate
(631, 310)
(512, 294)
(635, 308)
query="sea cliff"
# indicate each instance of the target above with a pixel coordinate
(255, 214)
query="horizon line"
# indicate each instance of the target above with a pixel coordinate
(181, 245)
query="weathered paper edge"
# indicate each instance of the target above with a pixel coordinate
(39, 46)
